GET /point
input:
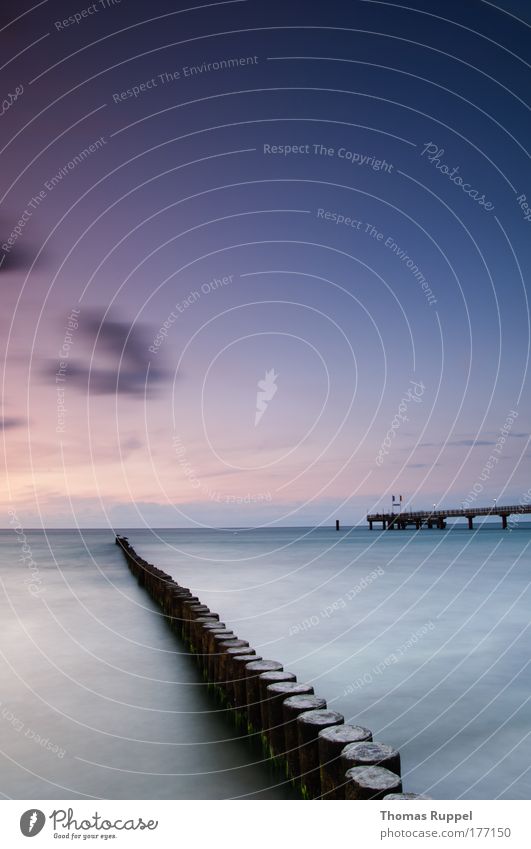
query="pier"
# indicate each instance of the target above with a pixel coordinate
(300, 737)
(437, 518)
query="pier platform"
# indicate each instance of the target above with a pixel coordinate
(438, 518)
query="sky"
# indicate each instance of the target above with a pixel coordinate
(262, 262)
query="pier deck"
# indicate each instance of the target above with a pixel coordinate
(437, 518)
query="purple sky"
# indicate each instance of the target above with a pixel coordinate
(279, 288)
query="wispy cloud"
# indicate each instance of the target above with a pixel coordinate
(468, 442)
(472, 442)
(119, 362)
(21, 254)
(422, 465)
(11, 422)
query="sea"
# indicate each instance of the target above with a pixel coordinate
(420, 636)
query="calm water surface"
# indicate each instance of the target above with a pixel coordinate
(422, 637)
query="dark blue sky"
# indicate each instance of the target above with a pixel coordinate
(315, 211)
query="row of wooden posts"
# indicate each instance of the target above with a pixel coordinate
(324, 757)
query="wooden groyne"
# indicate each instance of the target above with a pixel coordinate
(323, 757)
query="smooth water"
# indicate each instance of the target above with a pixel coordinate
(96, 698)
(422, 637)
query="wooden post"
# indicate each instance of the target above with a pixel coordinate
(204, 631)
(193, 611)
(223, 660)
(264, 680)
(168, 595)
(179, 598)
(371, 782)
(406, 796)
(196, 633)
(253, 671)
(184, 602)
(332, 741)
(239, 679)
(230, 654)
(370, 754)
(215, 638)
(291, 709)
(274, 713)
(310, 723)
(189, 605)
(171, 607)
(210, 645)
